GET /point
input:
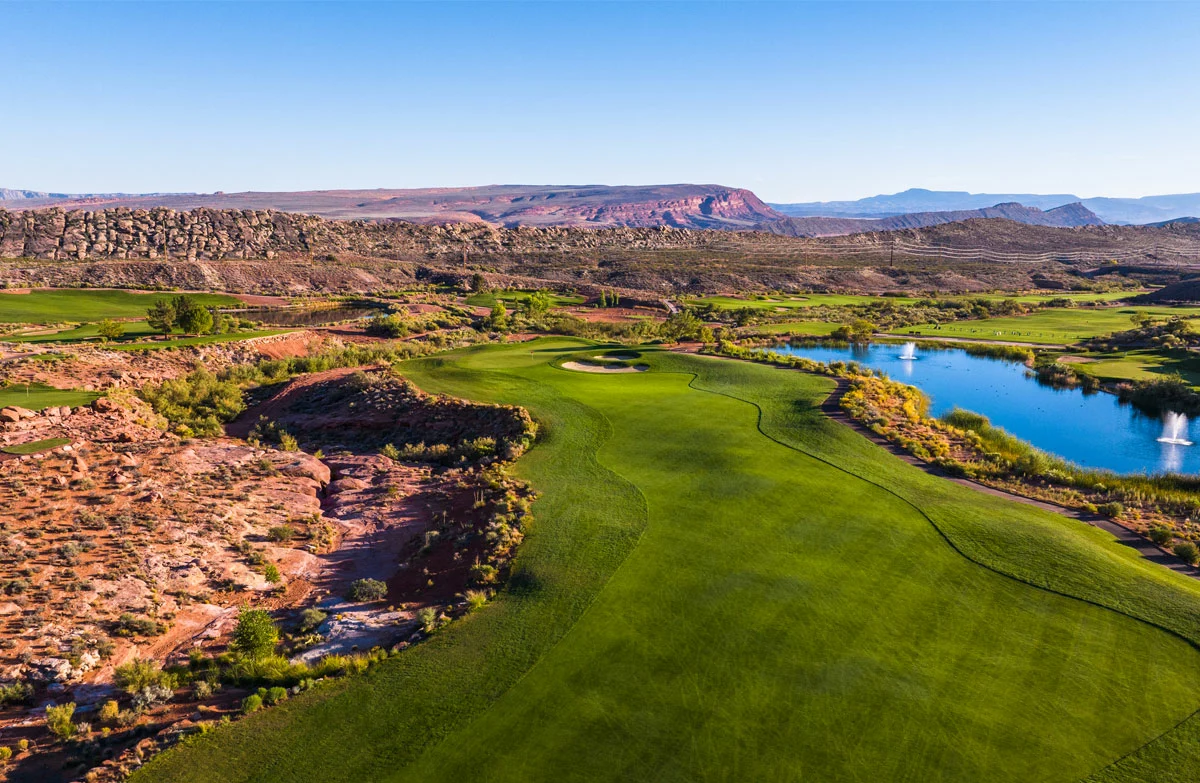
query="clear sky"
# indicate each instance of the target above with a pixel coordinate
(798, 102)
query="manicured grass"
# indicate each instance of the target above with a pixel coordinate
(205, 339)
(1143, 364)
(816, 328)
(36, 396)
(36, 446)
(722, 584)
(74, 305)
(87, 332)
(512, 298)
(1056, 326)
(796, 301)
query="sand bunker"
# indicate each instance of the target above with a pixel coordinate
(581, 367)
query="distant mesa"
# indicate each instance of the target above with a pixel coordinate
(680, 206)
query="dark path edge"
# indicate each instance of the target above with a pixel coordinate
(1194, 644)
(832, 408)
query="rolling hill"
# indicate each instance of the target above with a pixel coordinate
(1062, 217)
(1149, 209)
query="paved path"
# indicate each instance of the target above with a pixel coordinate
(1144, 546)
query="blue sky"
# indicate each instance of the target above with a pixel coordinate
(798, 102)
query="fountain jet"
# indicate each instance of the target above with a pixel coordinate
(1175, 427)
(909, 352)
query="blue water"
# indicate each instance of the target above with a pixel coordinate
(1093, 430)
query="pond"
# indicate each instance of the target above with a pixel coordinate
(1093, 430)
(308, 316)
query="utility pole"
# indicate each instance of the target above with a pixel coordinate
(892, 254)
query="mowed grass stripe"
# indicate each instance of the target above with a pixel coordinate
(779, 619)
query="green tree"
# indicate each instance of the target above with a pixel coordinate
(498, 320)
(478, 283)
(110, 329)
(161, 316)
(682, 325)
(603, 298)
(537, 304)
(195, 319)
(256, 634)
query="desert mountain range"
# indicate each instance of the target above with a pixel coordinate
(636, 206)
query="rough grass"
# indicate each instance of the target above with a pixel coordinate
(512, 298)
(722, 584)
(1062, 326)
(51, 306)
(36, 396)
(36, 446)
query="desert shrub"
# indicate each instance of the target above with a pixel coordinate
(363, 590)
(391, 326)
(6, 753)
(390, 451)
(1161, 535)
(147, 697)
(1187, 551)
(131, 625)
(271, 574)
(17, 692)
(255, 635)
(276, 695)
(429, 619)
(58, 720)
(202, 689)
(475, 599)
(311, 619)
(1113, 510)
(281, 534)
(139, 674)
(109, 711)
(252, 703)
(197, 404)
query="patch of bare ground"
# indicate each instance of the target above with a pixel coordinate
(1076, 359)
(98, 369)
(615, 315)
(130, 543)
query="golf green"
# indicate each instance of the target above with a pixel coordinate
(722, 584)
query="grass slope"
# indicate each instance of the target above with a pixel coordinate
(799, 605)
(1056, 326)
(50, 306)
(36, 396)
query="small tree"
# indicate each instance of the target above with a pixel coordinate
(256, 634)
(478, 283)
(498, 320)
(1161, 535)
(161, 316)
(195, 319)
(110, 329)
(536, 304)
(58, 720)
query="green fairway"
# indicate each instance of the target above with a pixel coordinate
(36, 446)
(36, 396)
(1055, 326)
(1143, 364)
(512, 298)
(75, 305)
(722, 584)
(815, 328)
(796, 301)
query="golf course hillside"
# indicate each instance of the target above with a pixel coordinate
(721, 584)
